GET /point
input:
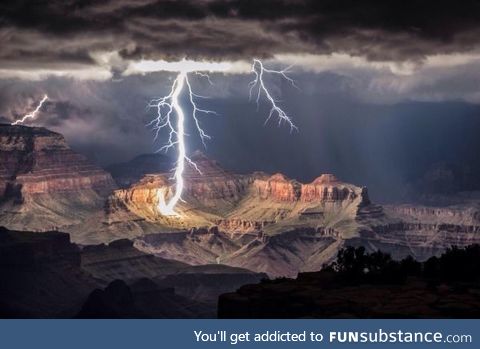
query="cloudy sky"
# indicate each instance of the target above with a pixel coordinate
(388, 90)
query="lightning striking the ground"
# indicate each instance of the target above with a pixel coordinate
(166, 107)
(32, 114)
(171, 116)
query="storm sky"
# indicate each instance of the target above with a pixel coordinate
(389, 91)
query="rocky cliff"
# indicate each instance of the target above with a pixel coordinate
(43, 183)
(277, 188)
(211, 186)
(279, 226)
(242, 203)
(421, 231)
(37, 161)
(269, 224)
(326, 188)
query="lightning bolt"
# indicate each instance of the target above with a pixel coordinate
(258, 85)
(169, 106)
(165, 107)
(32, 114)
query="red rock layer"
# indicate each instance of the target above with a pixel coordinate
(241, 225)
(212, 182)
(216, 188)
(209, 186)
(278, 187)
(325, 188)
(37, 161)
(145, 192)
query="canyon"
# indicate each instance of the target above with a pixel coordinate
(276, 225)
(264, 223)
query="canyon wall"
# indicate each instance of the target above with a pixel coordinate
(37, 161)
(43, 183)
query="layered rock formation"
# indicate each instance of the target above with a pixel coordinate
(421, 231)
(280, 226)
(206, 194)
(212, 186)
(269, 224)
(443, 183)
(240, 203)
(276, 255)
(43, 183)
(37, 161)
(327, 188)
(230, 230)
(457, 214)
(266, 223)
(277, 188)
(141, 198)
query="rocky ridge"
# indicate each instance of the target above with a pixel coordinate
(422, 231)
(43, 183)
(38, 161)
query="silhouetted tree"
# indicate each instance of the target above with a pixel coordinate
(354, 265)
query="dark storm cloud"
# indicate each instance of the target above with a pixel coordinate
(103, 119)
(49, 33)
(350, 110)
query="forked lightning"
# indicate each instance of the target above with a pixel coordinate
(170, 116)
(32, 114)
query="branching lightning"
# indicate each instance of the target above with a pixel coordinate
(165, 107)
(258, 85)
(32, 114)
(170, 116)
